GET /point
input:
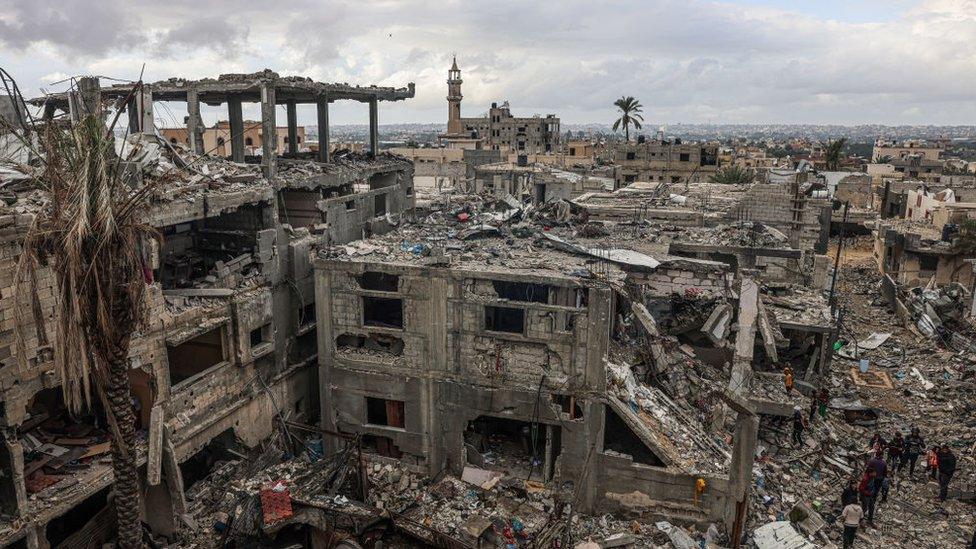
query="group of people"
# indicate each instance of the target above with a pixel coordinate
(861, 495)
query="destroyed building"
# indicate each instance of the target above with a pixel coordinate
(499, 130)
(666, 161)
(512, 341)
(231, 339)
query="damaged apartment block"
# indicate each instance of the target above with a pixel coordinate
(230, 347)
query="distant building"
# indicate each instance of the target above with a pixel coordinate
(890, 149)
(499, 131)
(216, 139)
(665, 161)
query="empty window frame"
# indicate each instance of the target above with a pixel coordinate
(504, 319)
(380, 411)
(195, 355)
(379, 205)
(383, 312)
(521, 291)
(379, 281)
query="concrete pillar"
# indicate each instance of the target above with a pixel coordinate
(13, 493)
(740, 472)
(597, 339)
(292, 127)
(374, 128)
(236, 117)
(745, 339)
(132, 109)
(144, 100)
(322, 107)
(437, 360)
(323, 320)
(194, 123)
(86, 99)
(269, 131)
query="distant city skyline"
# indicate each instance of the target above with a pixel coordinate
(692, 61)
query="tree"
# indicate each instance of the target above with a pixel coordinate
(88, 232)
(883, 159)
(732, 175)
(833, 151)
(630, 115)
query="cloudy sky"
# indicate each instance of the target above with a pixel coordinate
(733, 61)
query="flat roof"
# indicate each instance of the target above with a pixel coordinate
(247, 87)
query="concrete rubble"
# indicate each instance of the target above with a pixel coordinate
(333, 360)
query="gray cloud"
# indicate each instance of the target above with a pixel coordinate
(73, 26)
(685, 59)
(227, 36)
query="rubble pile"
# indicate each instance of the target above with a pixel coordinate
(891, 380)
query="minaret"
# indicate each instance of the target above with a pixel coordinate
(454, 99)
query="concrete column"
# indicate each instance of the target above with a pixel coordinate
(147, 124)
(236, 117)
(132, 108)
(437, 361)
(322, 108)
(292, 127)
(85, 100)
(740, 471)
(374, 127)
(597, 339)
(741, 378)
(13, 493)
(323, 320)
(194, 123)
(269, 131)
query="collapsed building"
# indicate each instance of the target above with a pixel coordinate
(231, 341)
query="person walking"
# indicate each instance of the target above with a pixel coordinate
(852, 515)
(880, 469)
(822, 399)
(877, 443)
(797, 427)
(813, 410)
(947, 468)
(849, 495)
(914, 445)
(788, 380)
(869, 492)
(895, 449)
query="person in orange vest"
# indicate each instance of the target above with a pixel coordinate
(788, 379)
(699, 489)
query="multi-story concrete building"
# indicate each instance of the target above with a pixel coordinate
(230, 343)
(664, 161)
(500, 130)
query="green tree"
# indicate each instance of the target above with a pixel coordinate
(883, 159)
(732, 175)
(630, 115)
(833, 152)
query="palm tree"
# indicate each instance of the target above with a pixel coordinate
(833, 150)
(883, 159)
(88, 232)
(630, 114)
(732, 175)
